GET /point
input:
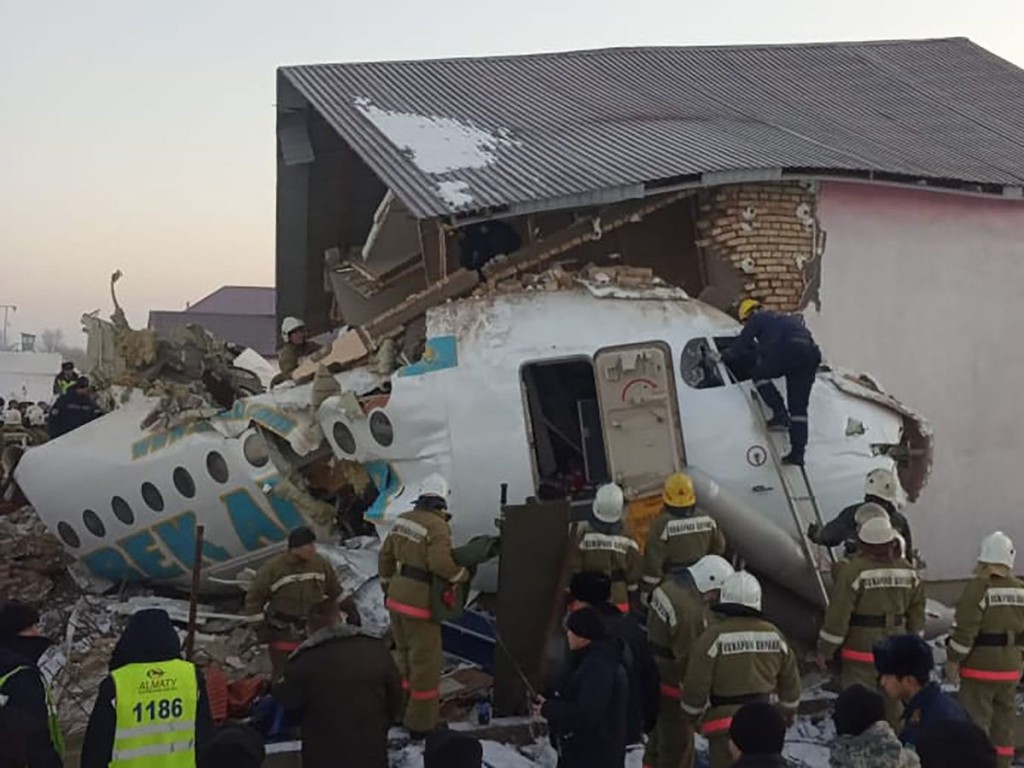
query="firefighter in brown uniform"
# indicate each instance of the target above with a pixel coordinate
(682, 534)
(984, 650)
(284, 590)
(418, 550)
(740, 659)
(877, 593)
(676, 618)
(603, 547)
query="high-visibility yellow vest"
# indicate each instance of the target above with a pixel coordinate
(56, 736)
(156, 707)
(65, 384)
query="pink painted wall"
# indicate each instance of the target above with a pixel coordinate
(924, 290)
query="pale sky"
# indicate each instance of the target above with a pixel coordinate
(139, 134)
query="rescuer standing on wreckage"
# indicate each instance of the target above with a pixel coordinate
(739, 660)
(284, 590)
(676, 617)
(877, 593)
(417, 553)
(296, 346)
(984, 649)
(881, 488)
(681, 535)
(780, 346)
(604, 548)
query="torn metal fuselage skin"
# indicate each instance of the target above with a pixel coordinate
(463, 410)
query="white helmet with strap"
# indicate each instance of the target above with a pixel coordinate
(882, 484)
(997, 549)
(435, 485)
(741, 588)
(608, 503)
(710, 572)
(289, 325)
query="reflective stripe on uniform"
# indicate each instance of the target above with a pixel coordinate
(607, 543)
(716, 726)
(797, 418)
(411, 530)
(296, 578)
(411, 611)
(886, 578)
(686, 526)
(828, 637)
(671, 691)
(425, 695)
(989, 676)
(864, 657)
(146, 730)
(653, 580)
(961, 649)
(623, 607)
(1005, 751)
(1000, 596)
(662, 606)
(285, 646)
(152, 749)
(691, 710)
(732, 643)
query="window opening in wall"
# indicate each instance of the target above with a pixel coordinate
(184, 483)
(152, 496)
(568, 441)
(696, 368)
(67, 533)
(93, 523)
(122, 511)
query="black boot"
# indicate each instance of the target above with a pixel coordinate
(793, 459)
(779, 422)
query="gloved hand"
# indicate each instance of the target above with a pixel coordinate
(713, 355)
(953, 671)
(814, 532)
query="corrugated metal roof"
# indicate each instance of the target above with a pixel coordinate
(552, 130)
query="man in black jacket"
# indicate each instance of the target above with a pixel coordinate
(595, 589)
(21, 645)
(73, 409)
(149, 637)
(757, 736)
(880, 487)
(588, 717)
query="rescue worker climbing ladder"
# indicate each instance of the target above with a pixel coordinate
(984, 650)
(603, 547)
(772, 346)
(681, 535)
(418, 550)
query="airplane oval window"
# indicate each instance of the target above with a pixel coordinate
(152, 496)
(381, 429)
(696, 368)
(217, 467)
(93, 523)
(255, 450)
(67, 533)
(184, 483)
(343, 437)
(122, 510)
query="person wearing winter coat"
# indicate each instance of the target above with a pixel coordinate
(587, 719)
(26, 703)
(345, 686)
(148, 639)
(590, 588)
(756, 737)
(864, 737)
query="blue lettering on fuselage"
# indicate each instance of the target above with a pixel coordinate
(144, 551)
(254, 528)
(108, 563)
(179, 535)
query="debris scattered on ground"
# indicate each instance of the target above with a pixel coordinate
(32, 561)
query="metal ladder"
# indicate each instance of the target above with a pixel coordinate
(799, 496)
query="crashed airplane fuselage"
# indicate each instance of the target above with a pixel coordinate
(535, 390)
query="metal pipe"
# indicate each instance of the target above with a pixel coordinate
(193, 597)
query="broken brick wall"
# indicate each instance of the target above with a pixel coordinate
(761, 241)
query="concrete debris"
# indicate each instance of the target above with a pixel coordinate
(32, 560)
(592, 276)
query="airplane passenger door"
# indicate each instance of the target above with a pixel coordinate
(637, 399)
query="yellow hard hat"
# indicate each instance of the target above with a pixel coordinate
(747, 307)
(679, 491)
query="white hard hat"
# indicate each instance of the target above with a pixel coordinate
(868, 511)
(710, 572)
(877, 530)
(741, 588)
(608, 503)
(290, 324)
(882, 483)
(997, 549)
(12, 417)
(36, 416)
(435, 485)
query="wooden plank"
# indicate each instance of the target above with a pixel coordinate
(458, 284)
(346, 349)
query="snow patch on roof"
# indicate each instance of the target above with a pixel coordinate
(437, 144)
(455, 193)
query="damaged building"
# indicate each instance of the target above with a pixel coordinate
(876, 187)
